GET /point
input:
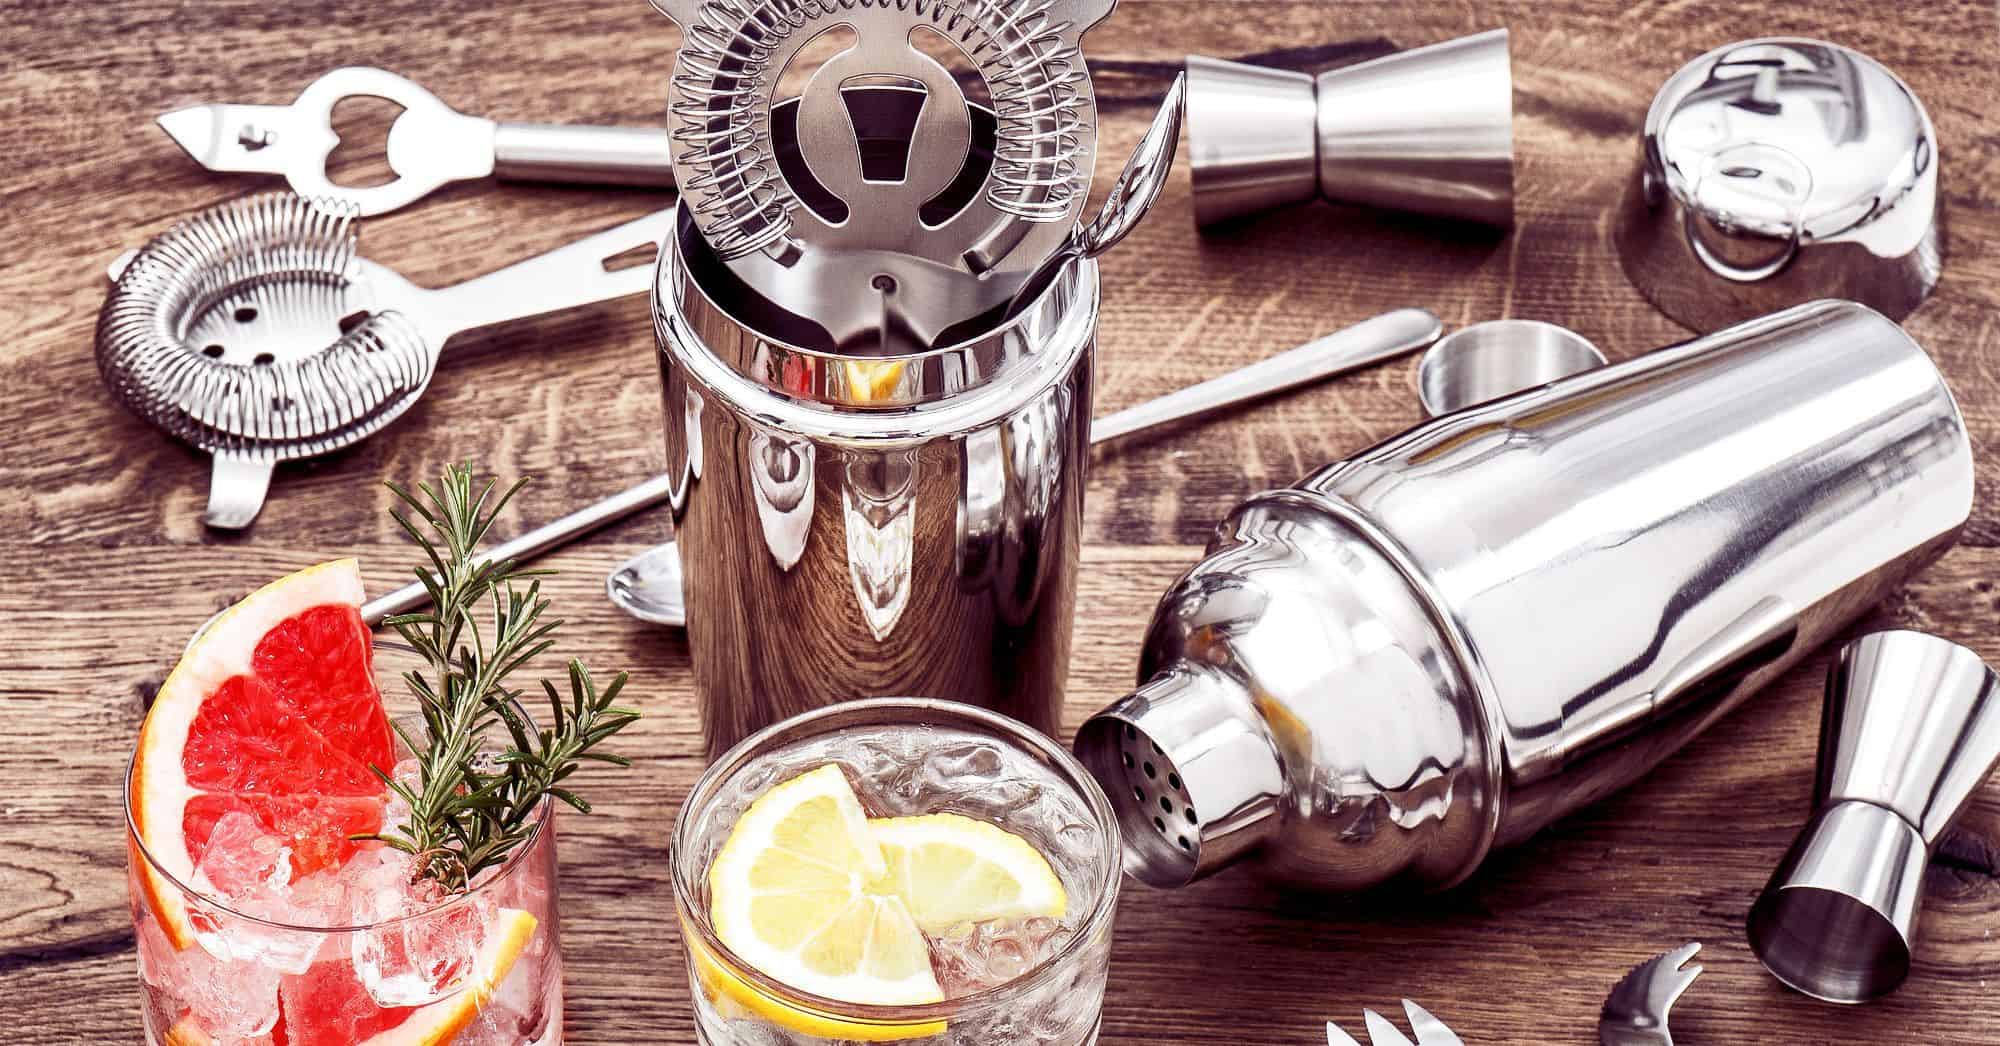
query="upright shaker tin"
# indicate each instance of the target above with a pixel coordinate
(858, 526)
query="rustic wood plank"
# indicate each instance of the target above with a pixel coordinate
(106, 566)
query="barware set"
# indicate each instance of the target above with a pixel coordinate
(876, 305)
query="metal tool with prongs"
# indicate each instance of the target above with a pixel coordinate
(253, 331)
(1636, 1012)
(1428, 1029)
(872, 253)
(430, 144)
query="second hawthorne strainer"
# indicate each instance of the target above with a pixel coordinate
(255, 332)
(839, 237)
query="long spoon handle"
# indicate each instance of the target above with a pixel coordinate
(1370, 341)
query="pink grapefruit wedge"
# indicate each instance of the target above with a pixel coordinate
(272, 711)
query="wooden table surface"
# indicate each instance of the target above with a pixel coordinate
(105, 567)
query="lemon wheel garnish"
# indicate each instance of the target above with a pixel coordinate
(811, 893)
(951, 870)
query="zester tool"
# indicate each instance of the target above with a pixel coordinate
(855, 250)
(430, 144)
(255, 332)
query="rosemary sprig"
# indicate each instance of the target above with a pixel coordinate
(472, 805)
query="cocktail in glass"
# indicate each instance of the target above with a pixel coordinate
(1035, 980)
(267, 944)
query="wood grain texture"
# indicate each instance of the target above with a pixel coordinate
(105, 568)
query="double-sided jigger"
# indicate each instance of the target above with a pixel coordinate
(1910, 730)
(1429, 130)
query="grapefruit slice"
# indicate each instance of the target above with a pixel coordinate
(272, 712)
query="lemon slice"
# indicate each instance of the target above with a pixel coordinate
(797, 893)
(950, 870)
(812, 893)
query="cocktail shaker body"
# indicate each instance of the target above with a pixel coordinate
(1453, 638)
(864, 526)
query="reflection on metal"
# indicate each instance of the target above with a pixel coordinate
(1777, 171)
(875, 500)
(1451, 639)
(781, 479)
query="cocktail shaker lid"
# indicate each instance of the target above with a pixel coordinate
(1300, 696)
(1771, 152)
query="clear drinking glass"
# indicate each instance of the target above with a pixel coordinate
(341, 955)
(905, 757)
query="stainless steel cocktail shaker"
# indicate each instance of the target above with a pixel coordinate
(864, 526)
(1449, 640)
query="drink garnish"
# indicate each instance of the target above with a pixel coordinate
(469, 807)
(809, 891)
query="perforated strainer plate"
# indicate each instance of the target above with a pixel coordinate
(253, 331)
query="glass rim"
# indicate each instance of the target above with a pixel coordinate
(1103, 906)
(544, 812)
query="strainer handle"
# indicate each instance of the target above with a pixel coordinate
(610, 264)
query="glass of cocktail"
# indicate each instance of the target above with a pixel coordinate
(277, 928)
(897, 869)
(305, 873)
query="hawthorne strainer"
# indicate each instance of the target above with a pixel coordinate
(254, 331)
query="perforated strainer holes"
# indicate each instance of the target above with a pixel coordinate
(1158, 789)
(245, 313)
(263, 359)
(213, 352)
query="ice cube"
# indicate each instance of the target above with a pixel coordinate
(396, 812)
(986, 955)
(234, 1002)
(421, 942)
(242, 860)
(522, 1010)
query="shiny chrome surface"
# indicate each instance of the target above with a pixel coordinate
(1635, 1014)
(430, 144)
(254, 331)
(1131, 197)
(880, 245)
(1777, 171)
(1486, 361)
(648, 586)
(1250, 138)
(1910, 730)
(1429, 130)
(1381, 1032)
(874, 526)
(1451, 639)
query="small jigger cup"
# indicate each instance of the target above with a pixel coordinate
(1911, 728)
(1429, 131)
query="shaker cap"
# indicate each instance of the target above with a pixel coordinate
(1777, 171)
(1783, 132)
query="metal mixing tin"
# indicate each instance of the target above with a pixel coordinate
(1449, 640)
(870, 526)
(1778, 171)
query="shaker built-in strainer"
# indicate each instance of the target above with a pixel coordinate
(875, 260)
(253, 331)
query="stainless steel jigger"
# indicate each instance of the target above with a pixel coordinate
(1453, 638)
(1486, 361)
(1429, 130)
(1911, 729)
